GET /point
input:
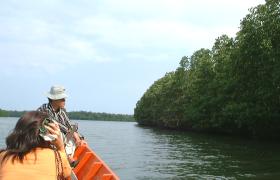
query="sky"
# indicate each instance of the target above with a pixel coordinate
(106, 53)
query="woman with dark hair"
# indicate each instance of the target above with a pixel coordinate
(35, 150)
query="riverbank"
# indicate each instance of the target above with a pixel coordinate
(80, 115)
(232, 88)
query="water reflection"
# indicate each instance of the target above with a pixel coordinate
(190, 155)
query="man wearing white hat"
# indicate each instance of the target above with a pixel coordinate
(56, 110)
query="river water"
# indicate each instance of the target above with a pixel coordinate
(135, 152)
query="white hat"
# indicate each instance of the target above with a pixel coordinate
(57, 92)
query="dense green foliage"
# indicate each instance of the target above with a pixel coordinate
(79, 115)
(233, 88)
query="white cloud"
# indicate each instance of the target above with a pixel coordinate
(115, 30)
(162, 24)
(156, 34)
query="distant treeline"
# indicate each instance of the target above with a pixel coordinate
(79, 115)
(5, 113)
(83, 115)
(233, 88)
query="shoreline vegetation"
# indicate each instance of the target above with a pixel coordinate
(233, 88)
(79, 115)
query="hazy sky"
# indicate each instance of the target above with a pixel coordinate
(106, 53)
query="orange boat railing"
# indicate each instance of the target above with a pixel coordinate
(91, 166)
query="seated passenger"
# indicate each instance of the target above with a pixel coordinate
(35, 150)
(55, 108)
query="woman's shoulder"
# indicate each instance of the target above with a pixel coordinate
(46, 151)
(40, 152)
(43, 150)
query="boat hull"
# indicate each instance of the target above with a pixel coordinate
(91, 166)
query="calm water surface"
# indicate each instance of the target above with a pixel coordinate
(135, 152)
